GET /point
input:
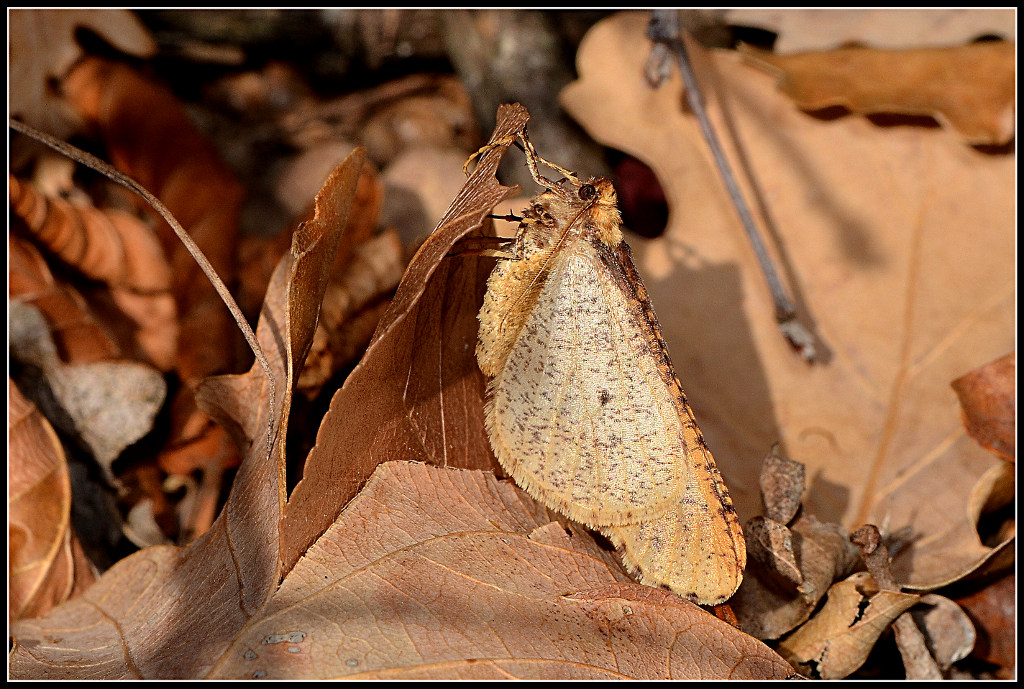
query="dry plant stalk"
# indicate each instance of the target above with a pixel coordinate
(584, 408)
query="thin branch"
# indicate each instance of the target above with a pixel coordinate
(664, 30)
(124, 180)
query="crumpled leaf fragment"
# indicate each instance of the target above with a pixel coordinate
(948, 630)
(836, 641)
(988, 397)
(970, 89)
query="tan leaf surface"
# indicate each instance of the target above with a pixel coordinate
(969, 88)
(417, 393)
(434, 573)
(825, 29)
(169, 612)
(837, 640)
(46, 565)
(872, 222)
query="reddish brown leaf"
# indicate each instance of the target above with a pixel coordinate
(114, 247)
(417, 393)
(988, 397)
(437, 573)
(203, 594)
(149, 136)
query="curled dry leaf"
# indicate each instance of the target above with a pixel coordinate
(351, 309)
(790, 567)
(948, 630)
(782, 487)
(970, 89)
(46, 564)
(904, 299)
(108, 405)
(110, 246)
(109, 631)
(417, 393)
(433, 573)
(988, 397)
(837, 639)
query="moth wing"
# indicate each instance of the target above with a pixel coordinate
(579, 414)
(697, 548)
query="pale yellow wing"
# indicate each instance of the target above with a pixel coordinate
(579, 414)
(697, 548)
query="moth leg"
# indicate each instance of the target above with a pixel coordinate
(504, 141)
(499, 247)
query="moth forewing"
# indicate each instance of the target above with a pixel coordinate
(584, 409)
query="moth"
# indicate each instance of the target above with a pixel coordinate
(584, 409)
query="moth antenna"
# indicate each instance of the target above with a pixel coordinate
(532, 157)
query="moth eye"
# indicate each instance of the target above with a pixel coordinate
(587, 192)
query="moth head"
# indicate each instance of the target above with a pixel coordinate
(598, 195)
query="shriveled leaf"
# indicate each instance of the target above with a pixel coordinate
(802, 30)
(837, 640)
(74, 328)
(782, 487)
(989, 400)
(970, 89)
(46, 563)
(948, 630)
(434, 573)
(770, 602)
(871, 222)
(417, 393)
(146, 617)
(993, 610)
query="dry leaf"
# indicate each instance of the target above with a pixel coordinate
(417, 393)
(993, 610)
(837, 640)
(436, 573)
(42, 49)
(46, 564)
(947, 628)
(968, 88)
(988, 398)
(803, 30)
(232, 569)
(108, 405)
(149, 136)
(78, 336)
(871, 223)
(115, 248)
(782, 487)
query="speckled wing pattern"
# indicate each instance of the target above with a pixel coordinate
(576, 415)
